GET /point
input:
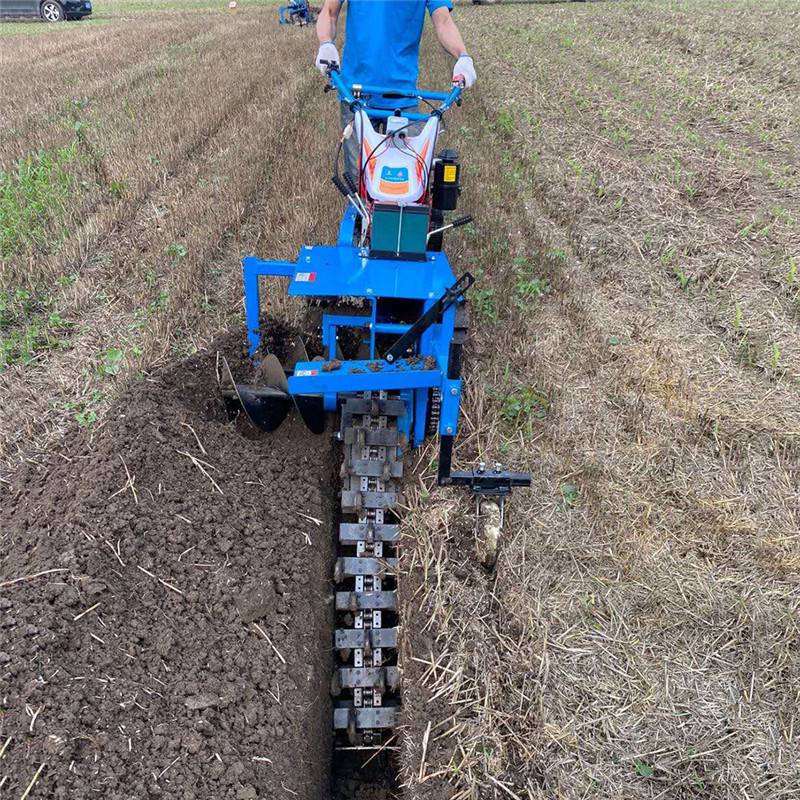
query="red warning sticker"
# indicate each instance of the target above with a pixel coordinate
(307, 277)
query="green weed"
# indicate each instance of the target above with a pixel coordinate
(117, 189)
(569, 495)
(524, 405)
(111, 362)
(775, 357)
(643, 769)
(528, 291)
(738, 315)
(505, 123)
(34, 198)
(791, 277)
(684, 279)
(177, 251)
(28, 327)
(484, 301)
(85, 411)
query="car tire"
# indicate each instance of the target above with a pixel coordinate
(52, 11)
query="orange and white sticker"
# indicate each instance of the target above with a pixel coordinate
(306, 373)
(306, 277)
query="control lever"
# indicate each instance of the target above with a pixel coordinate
(354, 200)
(456, 223)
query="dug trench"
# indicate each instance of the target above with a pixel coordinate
(165, 590)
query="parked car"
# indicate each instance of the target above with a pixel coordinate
(48, 10)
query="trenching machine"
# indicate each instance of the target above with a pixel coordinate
(297, 12)
(390, 336)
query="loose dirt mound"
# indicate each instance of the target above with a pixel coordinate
(179, 644)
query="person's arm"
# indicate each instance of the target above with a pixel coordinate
(450, 39)
(447, 32)
(326, 21)
(326, 33)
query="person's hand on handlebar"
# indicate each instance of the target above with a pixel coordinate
(327, 53)
(464, 71)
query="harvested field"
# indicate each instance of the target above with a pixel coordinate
(634, 173)
(638, 169)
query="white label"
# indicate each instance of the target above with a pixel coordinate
(306, 373)
(306, 277)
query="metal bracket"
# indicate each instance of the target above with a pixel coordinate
(481, 482)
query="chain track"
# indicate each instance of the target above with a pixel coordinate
(366, 679)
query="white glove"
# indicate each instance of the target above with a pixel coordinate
(464, 70)
(327, 52)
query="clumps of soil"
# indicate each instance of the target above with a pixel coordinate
(362, 775)
(332, 366)
(163, 598)
(279, 337)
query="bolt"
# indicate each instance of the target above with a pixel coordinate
(449, 428)
(482, 466)
(390, 358)
(453, 391)
(498, 467)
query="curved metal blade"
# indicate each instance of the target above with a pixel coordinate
(270, 373)
(227, 388)
(312, 410)
(299, 353)
(266, 407)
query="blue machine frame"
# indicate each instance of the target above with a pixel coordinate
(344, 270)
(297, 8)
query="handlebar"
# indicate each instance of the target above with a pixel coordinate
(446, 99)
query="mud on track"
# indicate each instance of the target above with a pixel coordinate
(135, 668)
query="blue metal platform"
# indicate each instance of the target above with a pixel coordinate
(331, 271)
(315, 377)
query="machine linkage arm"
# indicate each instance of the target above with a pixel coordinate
(400, 347)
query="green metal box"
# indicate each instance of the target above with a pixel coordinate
(399, 231)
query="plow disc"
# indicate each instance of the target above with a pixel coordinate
(267, 402)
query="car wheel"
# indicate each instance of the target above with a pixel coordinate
(52, 11)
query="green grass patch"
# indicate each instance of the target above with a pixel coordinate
(35, 198)
(29, 327)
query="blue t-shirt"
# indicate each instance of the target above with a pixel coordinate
(382, 44)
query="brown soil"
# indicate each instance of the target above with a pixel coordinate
(177, 542)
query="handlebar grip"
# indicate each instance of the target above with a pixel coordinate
(340, 185)
(351, 182)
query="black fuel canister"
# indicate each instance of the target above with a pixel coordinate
(446, 180)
